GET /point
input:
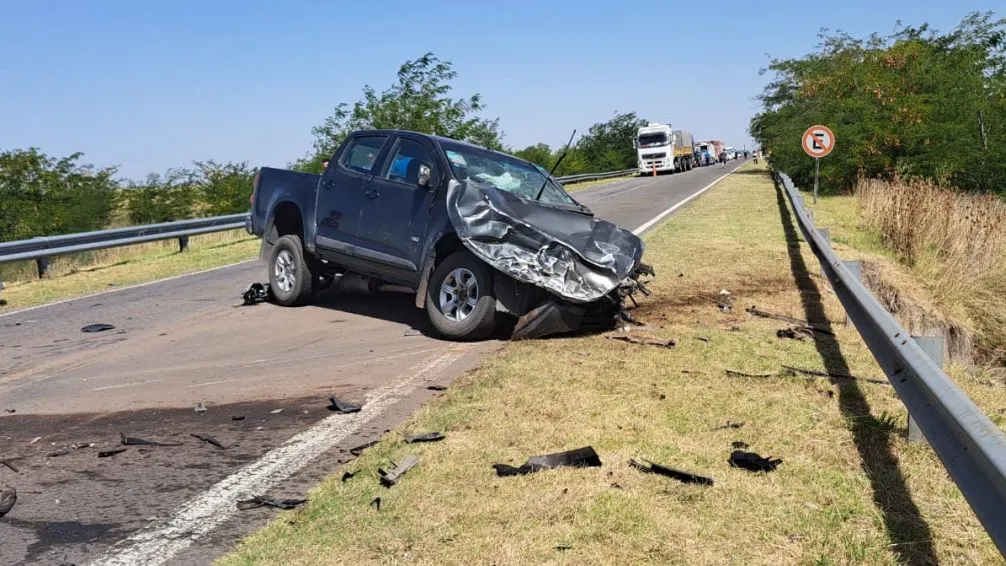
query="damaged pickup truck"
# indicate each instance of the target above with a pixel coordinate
(479, 236)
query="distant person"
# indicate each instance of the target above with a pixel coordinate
(324, 165)
(723, 159)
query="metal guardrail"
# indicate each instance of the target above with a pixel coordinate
(45, 247)
(971, 447)
(593, 176)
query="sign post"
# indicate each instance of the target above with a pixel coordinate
(818, 141)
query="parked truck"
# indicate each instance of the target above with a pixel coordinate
(476, 235)
(660, 149)
(710, 150)
(684, 151)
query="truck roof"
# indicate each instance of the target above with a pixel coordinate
(433, 137)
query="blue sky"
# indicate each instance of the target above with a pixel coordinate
(147, 86)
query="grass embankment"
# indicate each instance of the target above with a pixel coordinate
(75, 277)
(850, 489)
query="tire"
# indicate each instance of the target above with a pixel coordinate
(291, 276)
(464, 274)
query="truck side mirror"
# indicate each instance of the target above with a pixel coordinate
(424, 175)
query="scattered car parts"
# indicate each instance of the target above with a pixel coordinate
(753, 462)
(131, 441)
(389, 479)
(258, 501)
(643, 340)
(685, 477)
(209, 440)
(334, 404)
(97, 327)
(584, 457)
(425, 437)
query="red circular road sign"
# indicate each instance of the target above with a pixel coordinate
(818, 141)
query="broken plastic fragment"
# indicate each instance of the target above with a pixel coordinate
(256, 293)
(376, 504)
(644, 341)
(356, 451)
(753, 462)
(584, 457)
(437, 387)
(8, 497)
(389, 479)
(425, 437)
(685, 477)
(259, 501)
(730, 424)
(348, 475)
(200, 408)
(113, 452)
(238, 418)
(9, 463)
(98, 327)
(342, 407)
(275, 411)
(130, 441)
(209, 439)
(739, 445)
(413, 332)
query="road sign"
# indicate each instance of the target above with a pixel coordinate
(818, 141)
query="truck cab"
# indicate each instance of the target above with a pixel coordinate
(655, 148)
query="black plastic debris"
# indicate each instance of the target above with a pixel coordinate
(259, 501)
(12, 411)
(112, 452)
(238, 418)
(643, 340)
(256, 293)
(57, 454)
(735, 373)
(356, 451)
(389, 479)
(425, 437)
(795, 333)
(730, 424)
(437, 387)
(753, 462)
(348, 476)
(739, 445)
(376, 504)
(584, 457)
(208, 439)
(9, 463)
(130, 441)
(8, 497)
(685, 477)
(341, 406)
(97, 327)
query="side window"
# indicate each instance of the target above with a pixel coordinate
(362, 152)
(404, 164)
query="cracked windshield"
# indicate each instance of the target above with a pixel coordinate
(503, 172)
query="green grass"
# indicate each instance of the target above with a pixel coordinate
(120, 267)
(846, 493)
(574, 187)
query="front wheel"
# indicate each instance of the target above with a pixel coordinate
(460, 302)
(291, 275)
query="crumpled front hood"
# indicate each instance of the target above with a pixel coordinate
(575, 256)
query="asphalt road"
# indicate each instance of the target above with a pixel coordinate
(262, 372)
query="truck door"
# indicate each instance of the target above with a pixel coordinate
(395, 214)
(342, 192)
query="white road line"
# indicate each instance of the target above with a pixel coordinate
(117, 289)
(649, 224)
(195, 518)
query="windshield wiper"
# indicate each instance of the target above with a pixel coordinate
(557, 162)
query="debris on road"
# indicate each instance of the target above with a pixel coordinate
(702, 339)
(686, 477)
(200, 408)
(584, 457)
(376, 504)
(753, 462)
(276, 412)
(795, 333)
(347, 476)
(209, 439)
(816, 373)
(256, 293)
(437, 387)
(112, 452)
(12, 411)
(788, 319)
(9, 463)
(342, 407)
(356, 451)
(730, 424)
(98, 327)
(237, 417)
(389, 479)
(425, 437)
(643, 340)
(413, 332)
(57, 454)
(130, 441)
(34, 440)
(259, 501)
(8, 497)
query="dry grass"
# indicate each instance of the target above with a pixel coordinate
(574, 187)
(82, 275)
(955, 242)
(850, 490)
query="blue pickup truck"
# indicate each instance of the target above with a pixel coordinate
(478, 235)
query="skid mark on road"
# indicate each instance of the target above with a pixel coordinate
(199, 516)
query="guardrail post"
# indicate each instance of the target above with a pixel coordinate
(43, 265)
(183, 243)
(933, 347)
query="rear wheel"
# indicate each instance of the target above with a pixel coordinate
(291, 275)
(460, 302)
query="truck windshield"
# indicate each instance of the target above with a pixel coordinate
(648, 140)
(503, 172)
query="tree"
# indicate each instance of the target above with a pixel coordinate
(224, 187)
(163, 198)
(45, 196)
(539, 154)
(420, 101)
(608, 146)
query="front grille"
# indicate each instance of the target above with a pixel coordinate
(660, 155)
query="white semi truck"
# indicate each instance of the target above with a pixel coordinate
(660, 148)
